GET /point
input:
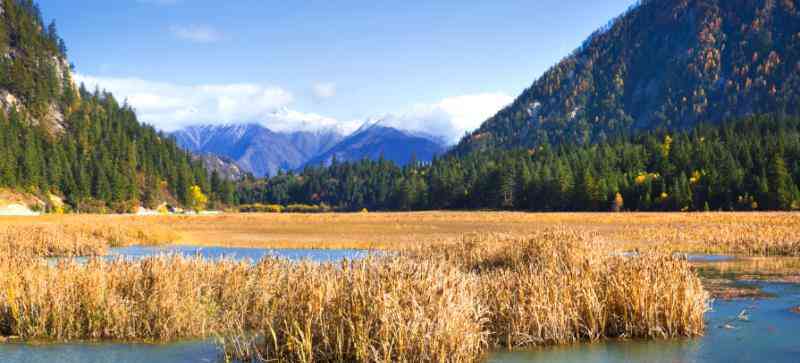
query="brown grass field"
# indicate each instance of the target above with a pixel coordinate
(764, 234)
(459, 285)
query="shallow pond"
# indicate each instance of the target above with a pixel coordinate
(108, 352)
(253, 254)
(216, 253)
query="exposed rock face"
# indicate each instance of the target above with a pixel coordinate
(8, 101)
(225, 167)
(17, 210)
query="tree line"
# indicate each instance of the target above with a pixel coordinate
(749, 164)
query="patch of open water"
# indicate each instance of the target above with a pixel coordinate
(234, 253)
(253, 254)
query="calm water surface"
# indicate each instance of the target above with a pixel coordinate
(253, 254)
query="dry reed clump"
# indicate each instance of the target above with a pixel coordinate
(128, 234)
(78, 239)
(373, 310)
(162, 298)
(50, 241)
(781, 242)
(554, 287)
(559, 287)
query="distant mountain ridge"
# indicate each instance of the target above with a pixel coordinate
(255, 148)
(663, 64)
(374, 140)
(261, 151)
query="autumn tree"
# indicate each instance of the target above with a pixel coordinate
(197, 200)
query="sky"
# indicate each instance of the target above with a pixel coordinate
(441, 67)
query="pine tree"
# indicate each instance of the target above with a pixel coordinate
(780, 184)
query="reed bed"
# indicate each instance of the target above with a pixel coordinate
(156, 299)
(452, 302)
(756, 234)
(50, 241)
(560, 287)
(375, 310)
(556, 287)
(79, 238)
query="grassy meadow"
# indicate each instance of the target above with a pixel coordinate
(456, 286)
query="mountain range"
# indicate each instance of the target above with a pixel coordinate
(262, 152)
(255, 148)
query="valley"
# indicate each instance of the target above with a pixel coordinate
(329, 182)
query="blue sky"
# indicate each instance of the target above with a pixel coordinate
(436, 66)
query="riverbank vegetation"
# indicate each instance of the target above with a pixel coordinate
(76, 236)
(452, 302)
(527, 280)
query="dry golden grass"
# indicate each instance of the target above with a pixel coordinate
(739, 233)
(375, 310)
(448, 294)
(77, 236)
(452, 302)
(160, 299)
(560, 286)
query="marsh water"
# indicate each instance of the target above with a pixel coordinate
(766, 331)
(234, 253)
(252, 254)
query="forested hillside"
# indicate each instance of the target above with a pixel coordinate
(663, 64)
(63, 140)
(751, 164)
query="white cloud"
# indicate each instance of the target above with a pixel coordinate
(451, 117)
(323, 91)
(196, 33)
(170, 106)
(287, 119)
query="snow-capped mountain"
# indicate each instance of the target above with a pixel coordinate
(257, 149)
(374, 140)
(261, 151)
